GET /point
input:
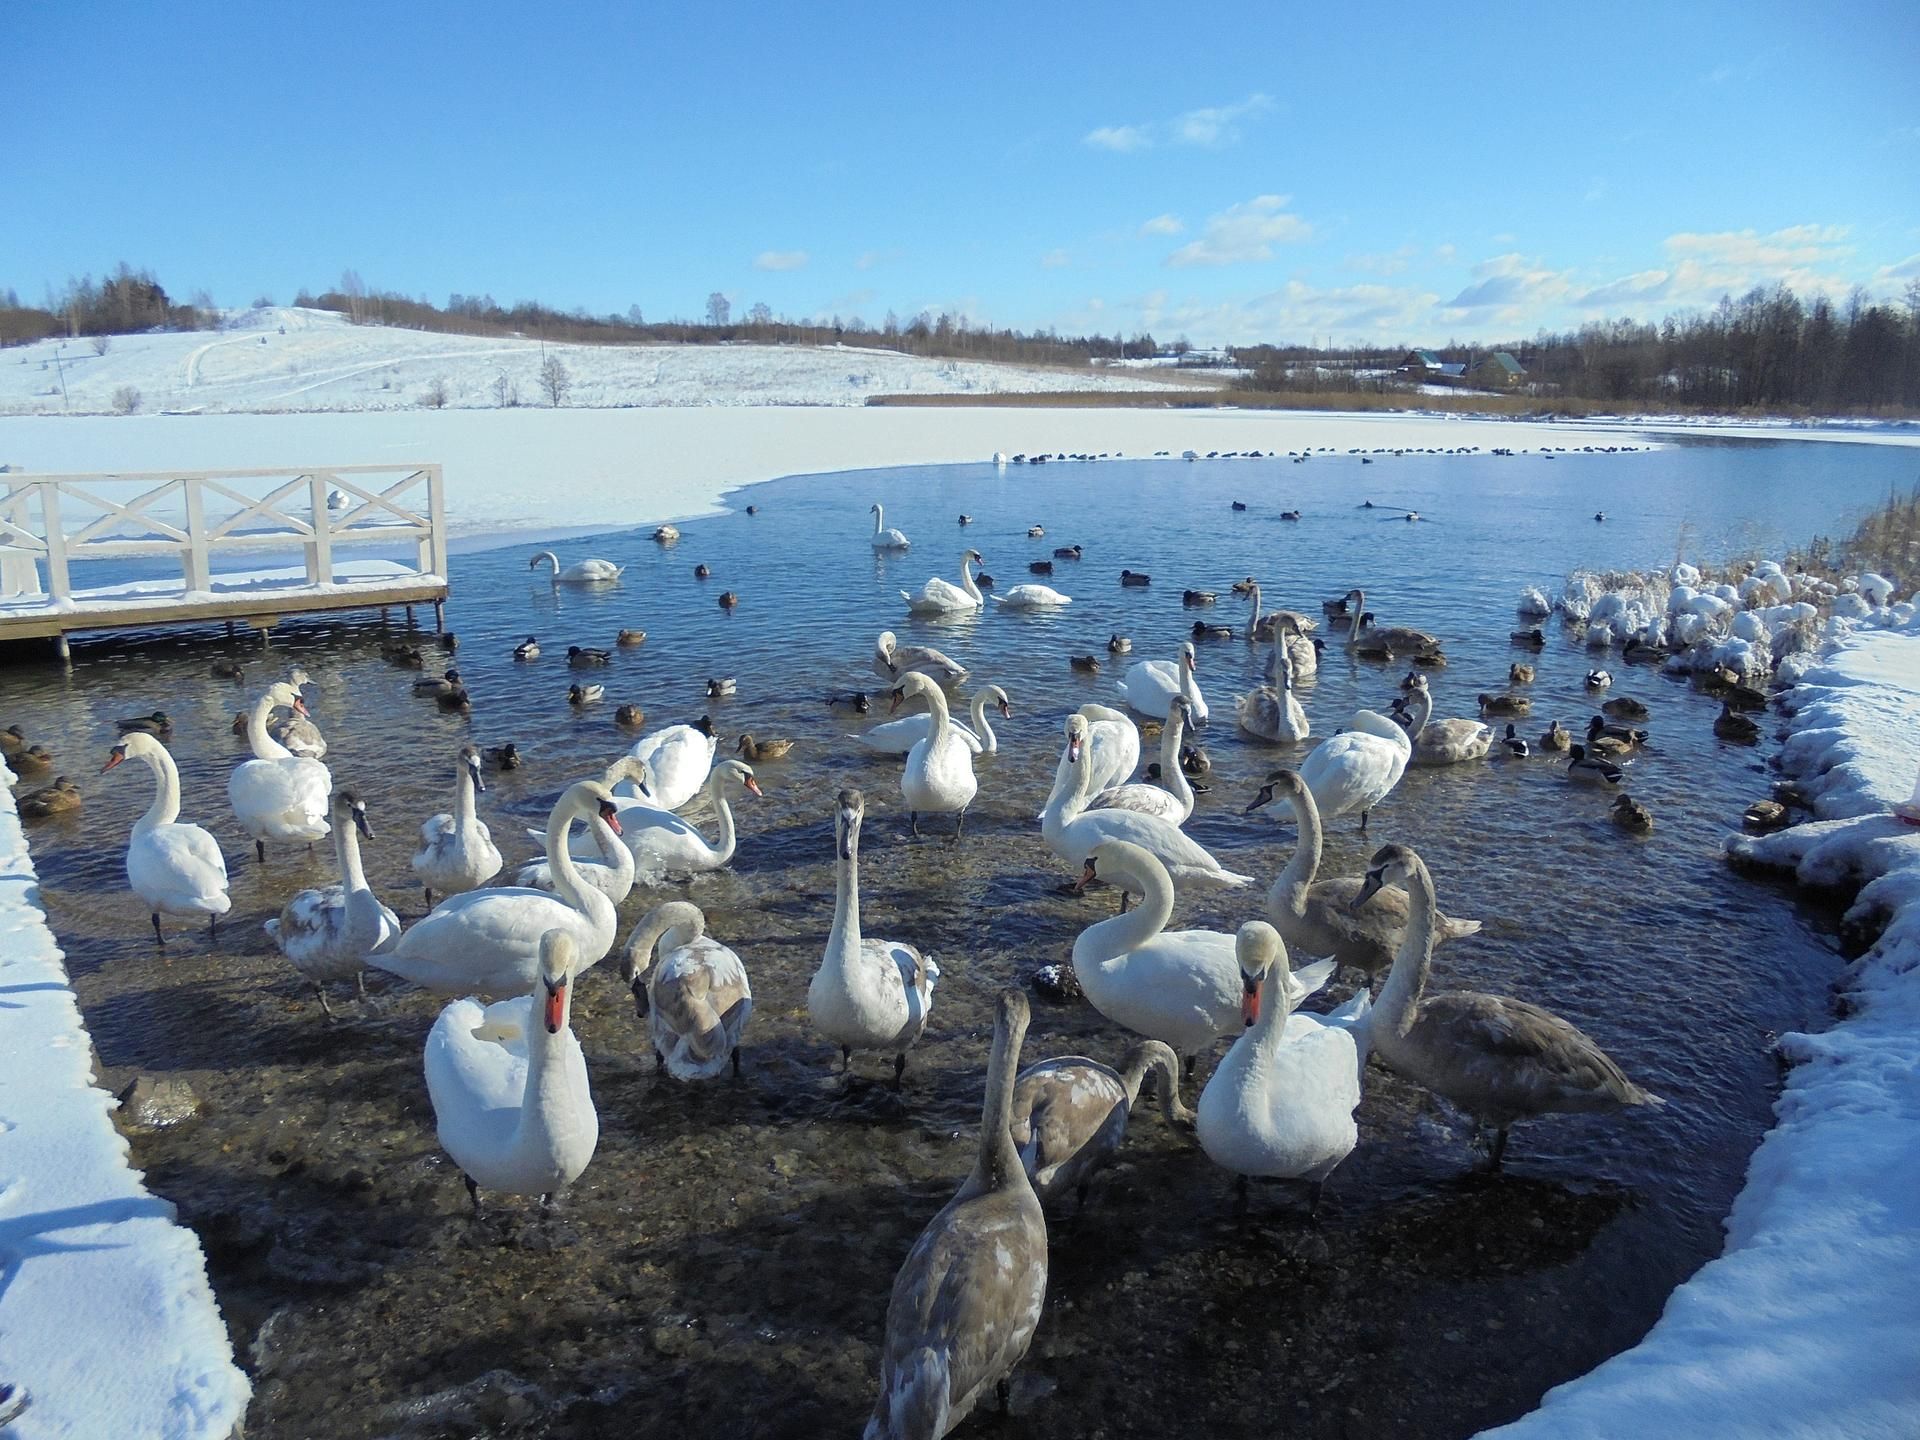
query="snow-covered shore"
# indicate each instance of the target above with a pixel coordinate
(106, 1316)
(1809, 1324)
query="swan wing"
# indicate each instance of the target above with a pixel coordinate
(179, 865)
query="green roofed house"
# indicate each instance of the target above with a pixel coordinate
(1497, 371)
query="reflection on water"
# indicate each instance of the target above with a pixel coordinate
(729, 1252)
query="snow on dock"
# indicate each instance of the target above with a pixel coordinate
(106, 1316)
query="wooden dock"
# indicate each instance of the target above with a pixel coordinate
(50, 525)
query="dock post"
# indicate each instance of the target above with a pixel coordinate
(410, 624)
(440, 617)
(63, 648)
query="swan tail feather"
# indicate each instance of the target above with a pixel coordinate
(919, 1400)
(1310, 979)
(272, 927)
(1454, 928)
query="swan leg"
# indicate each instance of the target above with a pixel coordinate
(321, 991)
(1241, 1199)
(960, 825)
(1313, 1198)
(1497, 1151)
(1003, 1393)
(473, 1193)
(1186, 1069)
(846, 1058)
(360, 984)
(736, 1062)
(899, 1068)
(260, 850)
(659, 1062)
(213, 928)
(913, 819)
(429, 893)
(158, 938)
(1363, 820)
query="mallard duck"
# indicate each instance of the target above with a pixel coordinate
(666, 534)
(1040, 567)
(1239, 505)
(722, 687)
(528, 649)
(1243, 587)
(1744, 697)
(1066, 552)
(1765, 815)
(503, 757)
(12, 740)
(1086, 664)
(1599, 729)
(1506, 704)
(455, 701)
(1134, 577)
(437, 686)
(1598, 679)
(753, 509)
(1629, 814)
(1198, 597)
(407, 657)
(1515, 745)
(1034, 532)
(1289, 514)
(1119, 645)
(1533, 639)
(1204, 631)
(628, 638)
(1625, 707)
(228, 670)
(1411, 681)
(760, 751)
(32, 761)
(586, 694)
(1520, 673)
(1556, 738)
(728, 600)
(579, 657)
(1731, 725)
(631, 716)
(855, 700)
(701, 572)
(1591, 769)
(155, 724)
(61, 796)
(1599, 515)
(966, 519)
(982, 580)
(449, 641)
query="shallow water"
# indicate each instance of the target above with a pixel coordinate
(723, 1266)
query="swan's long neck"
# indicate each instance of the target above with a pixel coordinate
(346, 850)
(612, 850)
(1399, 1002)
(549, 1094)
(967, 582)
(1189, 686)
(165, 808)
(1290, 887)
(1357, 606)
(264, 746)
(1160, 1059)
(1067, 789)
(463, 801)
(1113, 939)
(942, 722)
(998, 1163)
(1253, 620)
(1171, 775)
(879, 519)
(1275, 1006)
(988, 740)
(1422, 713)
(551, 559)
(843, 941)
(717, 797)
(567, 883)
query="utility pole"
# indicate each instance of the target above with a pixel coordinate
(60, 369)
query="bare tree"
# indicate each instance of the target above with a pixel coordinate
(102, 344)
(506, 393)
(719, 309)
(434, 397)
(126, 400)
(555, 382)
(760, 314)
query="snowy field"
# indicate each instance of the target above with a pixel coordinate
(286, 359)
(1809, 1324)
(106, 1316)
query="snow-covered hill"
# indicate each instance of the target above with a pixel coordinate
(286, 359)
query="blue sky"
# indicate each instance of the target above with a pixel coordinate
(1234, 173)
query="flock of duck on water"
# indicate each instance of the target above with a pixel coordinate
(508, 1079)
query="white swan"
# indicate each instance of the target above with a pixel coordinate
(680, 758)
(1355, 769)
(511, 1102)
(1115, 747)
(1150, 684)
(968, 1296)
(1072, 831)
(1174, 803)
(867, 994)
(489, 940)
(885, 538)
(696, 1001)
(612, 874)
(1178, 986)
(278, 795)
(664, 843)
(1031, 597)
(329, 932)
(938, 596)
(1070, 1114)
(1441, 742)
(897, 737)
(177, 869)
(1274, 713)
(1280, 1103)
(1501, 1060)
(938, 778)
(457, 853)
(586, 572)
(1324, 917)
(891, 660)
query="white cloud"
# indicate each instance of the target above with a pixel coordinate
(1163, 225)
(1907, 269)
(1391, 263)
(1243, 233)
(1509, 284)
(1218, 125)
(1628, 290)
(870, 259)
(1055, 260)
(1746, 249)
(1122, 138)
(1295, 311)
(780, 260)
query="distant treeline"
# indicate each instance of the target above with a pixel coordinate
(125, 303)
(1770, 350)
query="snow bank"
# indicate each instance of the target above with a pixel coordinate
(106, 1316)
(1809, 1324)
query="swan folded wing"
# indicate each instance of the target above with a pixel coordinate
(971, 1291)
(1521, 1051)
(312, 913)
(435, 830)
(696, 994)
(474, 930)
(476, 1063)
(182, 863)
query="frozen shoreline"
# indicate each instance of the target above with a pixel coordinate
(106, 1315)
(1808, 1324)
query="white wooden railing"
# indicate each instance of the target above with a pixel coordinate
(61, 520)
